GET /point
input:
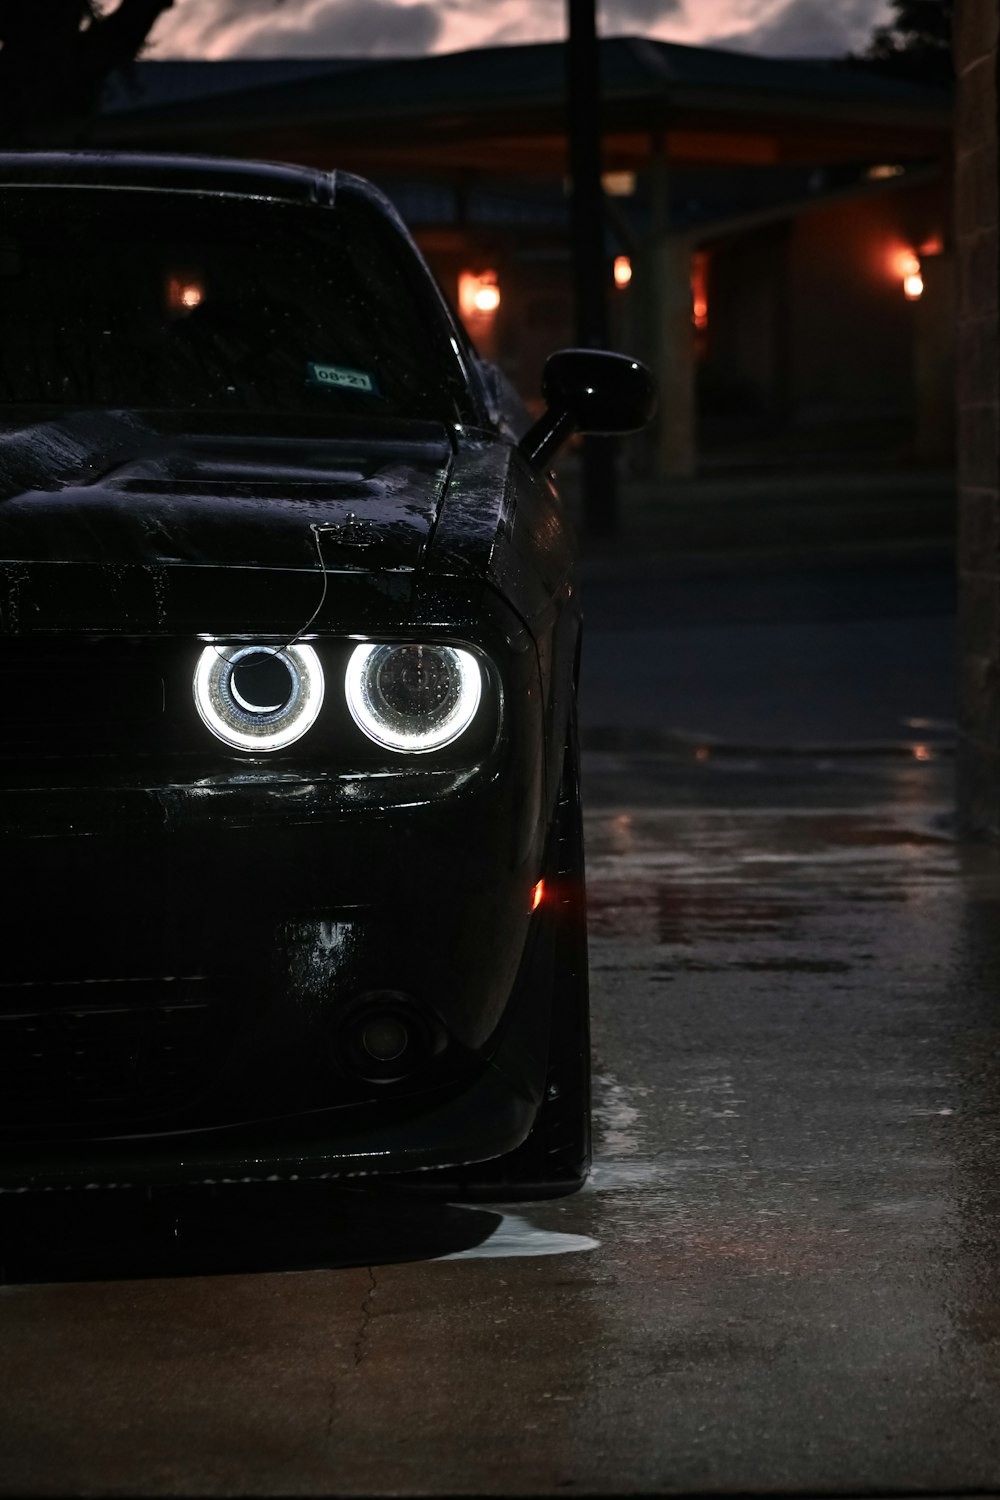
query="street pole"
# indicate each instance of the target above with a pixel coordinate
(583, 89)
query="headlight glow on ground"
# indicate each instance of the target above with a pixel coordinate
(413, 698)
(258, 698)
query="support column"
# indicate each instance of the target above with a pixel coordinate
(597, 470)
(664, 291)
(673, 360)
(976, 214)
(934, 362)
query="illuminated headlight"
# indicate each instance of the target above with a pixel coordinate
(413, 698)
(258, 697)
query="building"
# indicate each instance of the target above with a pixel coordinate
(778, 233)
(977, 202)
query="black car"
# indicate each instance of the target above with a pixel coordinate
(289, 643)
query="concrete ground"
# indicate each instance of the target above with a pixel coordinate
(796, 508)
(783, 1276)
(846, 649)
(781, 1279)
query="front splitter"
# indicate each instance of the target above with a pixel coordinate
(488, 1119)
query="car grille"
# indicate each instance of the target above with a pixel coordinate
(75, 1053)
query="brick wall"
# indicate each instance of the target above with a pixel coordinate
(978, 249)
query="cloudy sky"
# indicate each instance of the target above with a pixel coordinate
(297, 28)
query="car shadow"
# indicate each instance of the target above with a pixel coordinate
(234, 1229)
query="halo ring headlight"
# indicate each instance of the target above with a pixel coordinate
(234, 714)
(413, 697)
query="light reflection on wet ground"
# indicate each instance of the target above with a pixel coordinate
(783, 1276)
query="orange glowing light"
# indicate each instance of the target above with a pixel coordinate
(618, 184)
(478, 294)
(932, 246)
(699, 289)
(184, 294)
(906, 265)
(923, 752)
(487, 299)
(537, 894)
(623, 270)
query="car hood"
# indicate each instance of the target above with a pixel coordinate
(119, 488)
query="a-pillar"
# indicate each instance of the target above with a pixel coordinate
(663, 294)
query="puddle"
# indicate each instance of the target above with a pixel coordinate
(762, 965)
(612, 1176)
(622, 1154)
(616, 1117)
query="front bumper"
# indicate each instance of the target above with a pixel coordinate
(179, 961)
(473, 1122)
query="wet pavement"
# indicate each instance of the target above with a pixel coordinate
(784, 1276)
(844, 650)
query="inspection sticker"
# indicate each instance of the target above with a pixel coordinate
(343, 379)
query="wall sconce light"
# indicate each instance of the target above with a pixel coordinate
(184, 294)
(699, 289)
(908, 270)
(478, 294)
(618, 184)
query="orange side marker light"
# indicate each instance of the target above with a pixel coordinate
(537, 894)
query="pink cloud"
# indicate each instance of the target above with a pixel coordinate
(297, 28)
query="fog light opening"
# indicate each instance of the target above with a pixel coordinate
(385, 1037)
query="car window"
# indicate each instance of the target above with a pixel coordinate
(160, 300)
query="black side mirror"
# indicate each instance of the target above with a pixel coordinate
(589, 390)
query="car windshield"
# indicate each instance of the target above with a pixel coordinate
(180, 301)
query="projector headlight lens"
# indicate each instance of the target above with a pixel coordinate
(413, 698)
(258, 698)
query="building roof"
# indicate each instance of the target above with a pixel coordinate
(156, 85)
(476, 78)
(502, 108)
(704, 202)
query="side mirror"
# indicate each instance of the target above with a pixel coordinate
(589, 390)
